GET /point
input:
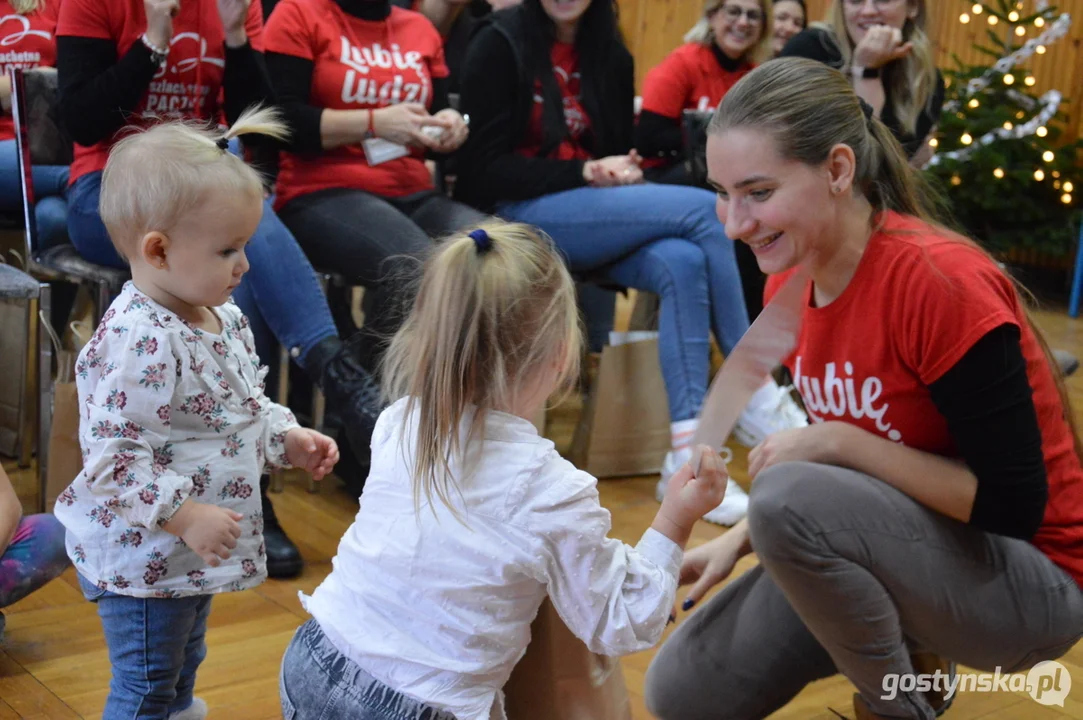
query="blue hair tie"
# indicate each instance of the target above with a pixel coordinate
(482, 240)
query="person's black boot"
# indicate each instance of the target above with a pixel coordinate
(351, 391)
(283, 558)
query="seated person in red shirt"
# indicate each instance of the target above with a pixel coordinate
(935, 504)
(28, 40)
(723, 47)
(363, 85)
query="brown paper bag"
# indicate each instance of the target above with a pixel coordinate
(560, 679)
(624, 429)
(65, 455)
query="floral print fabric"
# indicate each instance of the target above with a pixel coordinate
(169, 413)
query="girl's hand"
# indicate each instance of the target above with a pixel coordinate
(818, 443)
(234, 13)
(711, 563)
(312, 451)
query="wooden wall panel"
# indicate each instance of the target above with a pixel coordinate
(653, 28)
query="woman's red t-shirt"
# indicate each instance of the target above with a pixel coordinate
(919, 300)
(188, 86)
(357, 65)
(566, 70)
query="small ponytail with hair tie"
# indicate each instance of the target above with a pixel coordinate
(482, 241)
(222, 143)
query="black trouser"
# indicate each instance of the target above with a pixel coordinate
(375, 242)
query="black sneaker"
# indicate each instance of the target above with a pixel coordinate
(351, 390)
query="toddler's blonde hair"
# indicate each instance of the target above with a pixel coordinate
(156, 177)
(489, 316)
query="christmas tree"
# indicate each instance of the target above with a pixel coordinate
(1009, 175)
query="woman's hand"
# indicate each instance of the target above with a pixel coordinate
(160, 14)
(614, 170)
(711, 563)
(403, 124)
(455, 131)
(881, 45)
(818, 443)
(234, 13)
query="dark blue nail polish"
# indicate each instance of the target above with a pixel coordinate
(688, 604)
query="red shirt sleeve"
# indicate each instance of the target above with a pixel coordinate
(288, 31)
(952, 296)
(253, 26)
(85, 18)
(666, 87)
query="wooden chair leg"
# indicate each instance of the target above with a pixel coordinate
(278, 478)
(45, 391)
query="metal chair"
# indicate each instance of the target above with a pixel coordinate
(40, 140)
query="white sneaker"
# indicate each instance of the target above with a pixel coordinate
(196, 711)
(734, 505)
(771, 410)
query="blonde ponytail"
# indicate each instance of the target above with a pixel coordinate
(156, 176)
(494, 308)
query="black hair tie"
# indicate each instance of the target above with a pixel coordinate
(866, 109)
(222, 143)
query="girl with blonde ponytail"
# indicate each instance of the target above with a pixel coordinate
(933, 510)
(881, 46)
(469, 518)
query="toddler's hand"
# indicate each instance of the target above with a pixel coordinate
(210, 531)
(692, 493)
(311, 451)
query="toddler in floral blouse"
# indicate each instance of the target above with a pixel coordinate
(175, 427)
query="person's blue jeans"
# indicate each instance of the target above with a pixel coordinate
(155, 648)
(50, 186)
(318, 682)
(35, 556)
(664, 239)
(279, 292)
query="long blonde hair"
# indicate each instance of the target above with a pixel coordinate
(809, 108)
(702, 34)
(155, 177)
(26, 7)
(910, 82)
(494, 307)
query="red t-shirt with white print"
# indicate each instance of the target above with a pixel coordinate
(26, 41)
(357, 65)
(689, 78)
(566, 69)
(919, 300)
(188, 86)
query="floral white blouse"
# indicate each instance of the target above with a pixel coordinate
(168, 413)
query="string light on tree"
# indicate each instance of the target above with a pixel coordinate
(1040, 49)
(1009, 79)
(1039, 175)
(966, 139)
(1039, 22)
(964, 18)
(998, 174)
(1048, 156)
(973, 103)
(1066, 199)
(1068, 187)
(1042, 131)
(1013, 16)
(1029, 81)
(993, 20)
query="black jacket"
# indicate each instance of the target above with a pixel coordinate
(497, 92)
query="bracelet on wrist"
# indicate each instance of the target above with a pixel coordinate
(158, 54)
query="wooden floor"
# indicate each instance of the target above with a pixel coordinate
(53, 663)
